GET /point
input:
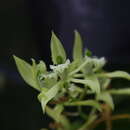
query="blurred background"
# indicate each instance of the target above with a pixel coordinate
(25, 30)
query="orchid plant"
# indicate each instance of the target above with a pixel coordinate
(75, 94)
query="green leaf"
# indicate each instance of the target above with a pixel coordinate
(116, 74)
(107, 98)
(41, 67)
(74, 90)
(73, 65)
(76, 125)
(58, 110)
(27, 72)
(125, 91)
(88, 52)
(104, 82)
(98, 63)
(91, 81)
(62, 119)
(45, 97)
(91, 119)
(48, 80)
(91, 103)
(57, 51)
(78, 48)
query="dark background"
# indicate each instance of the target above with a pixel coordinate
(25, 30)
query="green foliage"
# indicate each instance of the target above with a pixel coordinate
(78, 49)
(57, 51)
(81, 83)
(27, 72)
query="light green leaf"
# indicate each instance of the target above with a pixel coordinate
(48, 80)
(77, 49)
(125, 91)
(74, 90)
(45, 97)
(116, 74)
(91, 81)
(107, 98)
(41, 67)
(27, 72)
(58, 110)
(98, 63)
(73, 65)
(91, 103)
(57, 50)
(62, 119)
(104, 82)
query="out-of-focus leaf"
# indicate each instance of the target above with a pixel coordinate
(116, 74)
(41, 67)
(45, 97)
(98, 63)
(48, 80)
(76, 125)
(62, 119)
(73, 65)
(88, 53)
(27, 72)
(91, 103)
(74, 90)
(104, 82)
(57, 50)
(91, 119)
(58, 110)
(91, 81)
(107, 98)
(77, 49)
(125, 91)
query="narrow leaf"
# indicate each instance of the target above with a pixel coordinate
(57, 51)
(125, 91)
(45, 97)
(107, 98)
(58, 110)
(91, 103)
(91, 81)
(62, 119)
(116, 74)
(41, 67)
(27, 72)
(77, 49)
(89, 122)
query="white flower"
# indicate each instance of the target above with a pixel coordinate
(60, 68)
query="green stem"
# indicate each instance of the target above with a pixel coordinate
(88, 123)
